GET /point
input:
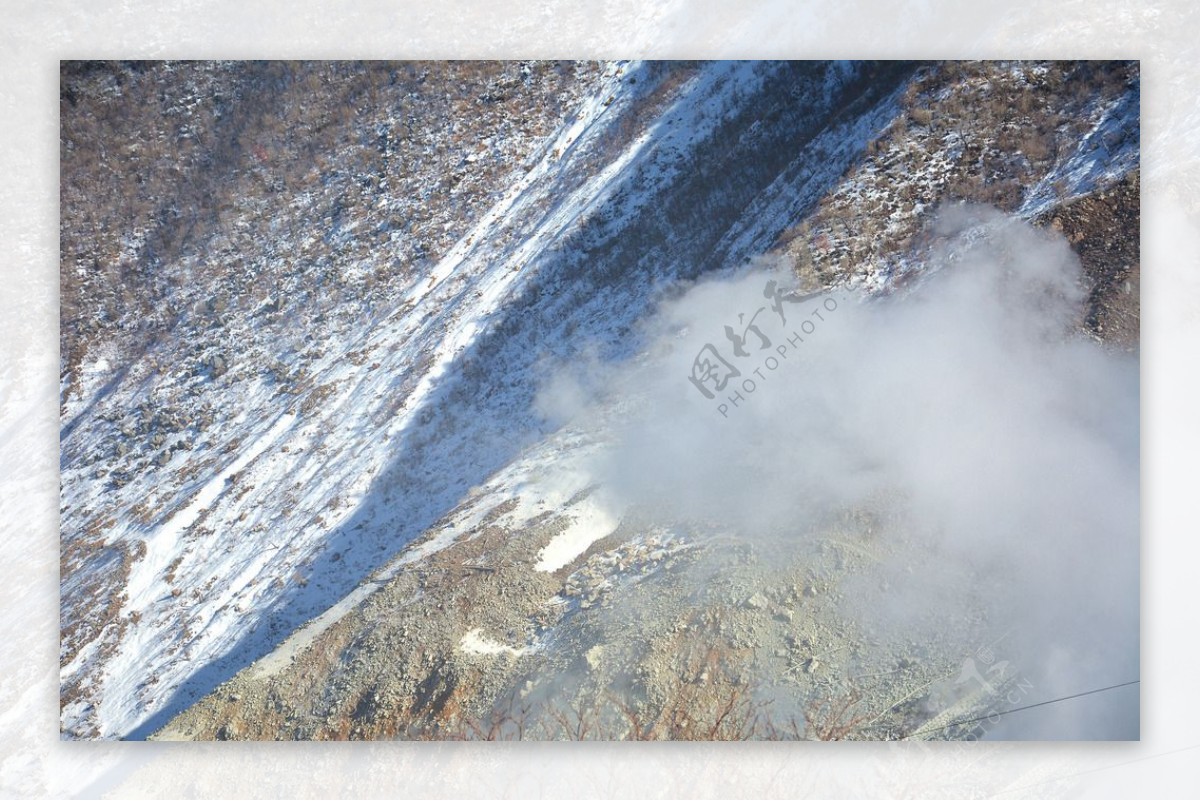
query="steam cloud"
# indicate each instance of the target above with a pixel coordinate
(972, 403)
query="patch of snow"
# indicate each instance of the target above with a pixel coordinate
(163, 542)
(592, 522)
(1109, 151)
(475, 642)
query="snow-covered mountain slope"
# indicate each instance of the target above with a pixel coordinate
(1021, 137)
(327, 462)
(343, 381)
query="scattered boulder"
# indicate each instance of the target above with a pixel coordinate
(757, 601)
(595, 657)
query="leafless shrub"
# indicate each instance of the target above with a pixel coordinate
(835, 719)
(921, 116)
(1035, 147)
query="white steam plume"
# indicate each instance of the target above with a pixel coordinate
(1008, 438)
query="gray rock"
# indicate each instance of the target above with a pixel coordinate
(757, 601)
(595, 657)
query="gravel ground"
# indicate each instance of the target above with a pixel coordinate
(653, 632)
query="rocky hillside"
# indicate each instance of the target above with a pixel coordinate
(309, 486)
